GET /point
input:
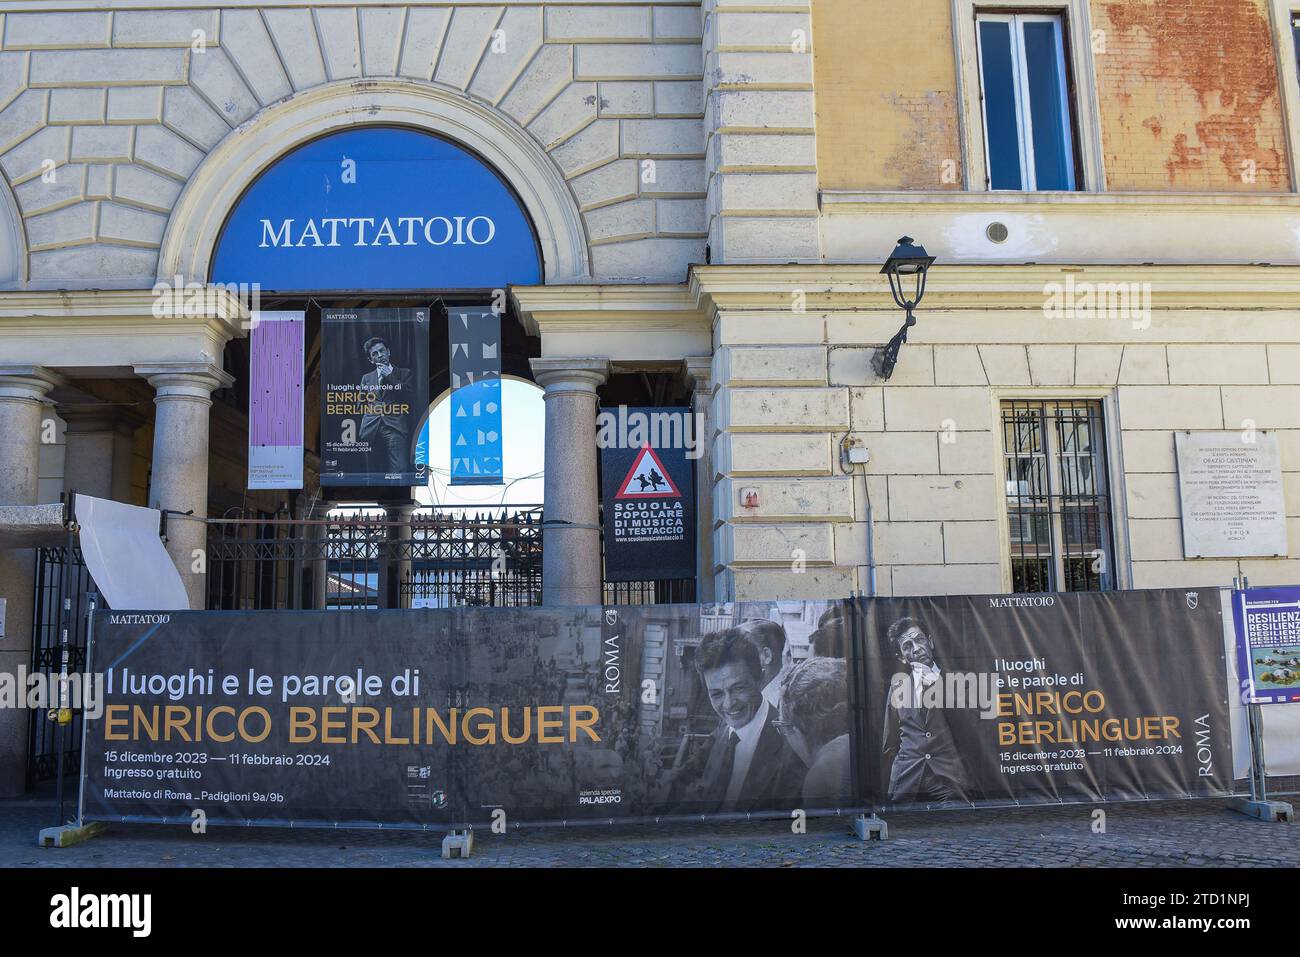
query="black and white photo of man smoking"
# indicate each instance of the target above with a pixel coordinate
(389, 434)
(920, 752)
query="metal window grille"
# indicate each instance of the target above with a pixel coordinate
(1057, 496)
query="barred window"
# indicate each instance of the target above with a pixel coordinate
(1058, 496)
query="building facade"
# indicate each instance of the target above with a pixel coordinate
(1110, 189)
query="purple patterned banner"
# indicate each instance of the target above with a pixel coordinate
(275, 403)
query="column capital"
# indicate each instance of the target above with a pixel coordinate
(30, 383)
(698, 373)
(570, 375)
(185, 380)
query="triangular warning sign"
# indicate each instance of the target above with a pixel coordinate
(647, 478)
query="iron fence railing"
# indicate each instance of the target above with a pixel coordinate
(439, 558)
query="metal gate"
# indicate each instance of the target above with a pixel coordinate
(489, 558)
(446, 557)
(61, 576)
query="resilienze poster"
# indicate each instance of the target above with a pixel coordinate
(1045, 698)
(374, 389)
(506, 716)
(1267, 626)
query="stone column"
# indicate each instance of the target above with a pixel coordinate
(317, 537)
(100, 446)
(698, 373)
(22, 391)
(182, 395)
(320, 563)
(571, 557)
(400, 537)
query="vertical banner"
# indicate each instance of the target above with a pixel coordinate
(1267, 624)
(648, 486)
(374, 389)
(474, 336)
(275, 400)
(1044, 698)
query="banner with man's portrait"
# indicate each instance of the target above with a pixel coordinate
(374, 391)
(472, 715)
(736, 708)
(484, 716)
(1000, 699)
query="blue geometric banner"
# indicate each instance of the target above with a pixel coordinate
(476, 446)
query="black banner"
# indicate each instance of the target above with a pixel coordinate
(648, 489)
(374, 393)
(489, 716)
(433, 716)
(1045, 698)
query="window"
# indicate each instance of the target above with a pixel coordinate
(1024, 82)
(1057, 494)
(1295, 37)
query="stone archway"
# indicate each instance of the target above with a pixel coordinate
(13, 245)
(217, 184)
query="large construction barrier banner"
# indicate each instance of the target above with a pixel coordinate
(506, 716)
(1047, 698)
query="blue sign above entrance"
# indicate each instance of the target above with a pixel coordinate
(378, 208)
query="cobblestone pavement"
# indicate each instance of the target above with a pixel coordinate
(1166, 834)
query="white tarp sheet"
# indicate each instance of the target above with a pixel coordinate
(1281, 738)
(1281, 721)
(126, 557)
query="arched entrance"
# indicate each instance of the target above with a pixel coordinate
(357, 231)
(379, 209)
(354, 231)
(200, 214)
(13, 247)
